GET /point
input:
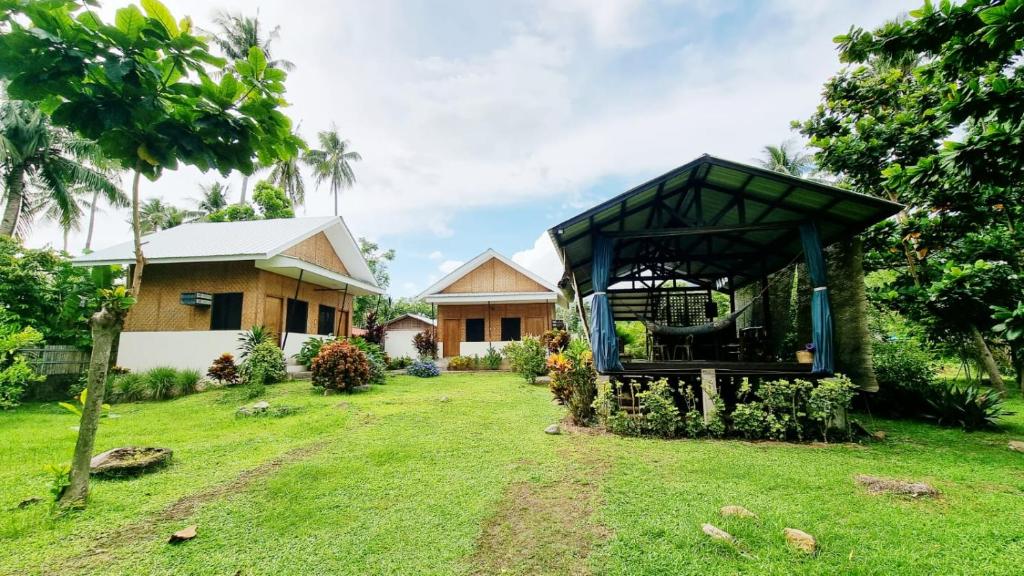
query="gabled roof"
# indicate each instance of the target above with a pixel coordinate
(419, 317)
(712, 218)
(260, 240)
(433, 293)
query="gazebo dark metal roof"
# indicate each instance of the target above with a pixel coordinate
(711, 221)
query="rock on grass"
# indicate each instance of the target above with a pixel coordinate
(738, 511)
(183, 535)
(1016, 445)
(716, 533)
(877, 485)
(800, 540)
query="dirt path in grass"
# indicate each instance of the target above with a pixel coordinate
(105, 545)
(546, 528)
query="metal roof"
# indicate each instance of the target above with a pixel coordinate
(259, 240)
(414, 316)
(712, 219)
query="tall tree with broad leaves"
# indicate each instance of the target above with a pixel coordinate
(143, 89)
(41, 164)
(377, 260)
(787, 158)
(332, 162)
(928, 114)
(237, 35)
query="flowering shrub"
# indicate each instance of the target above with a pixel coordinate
(574, 381)
(423, 369)
(340, 366)
(555, 340)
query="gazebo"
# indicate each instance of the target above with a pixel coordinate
(659, 252)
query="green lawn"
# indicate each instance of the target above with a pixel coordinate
(454, 475)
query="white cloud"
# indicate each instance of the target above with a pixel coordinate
(436, 255)
(449, 266)
(541, 259)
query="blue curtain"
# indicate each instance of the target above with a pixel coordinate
(821, 312)
(603, 341)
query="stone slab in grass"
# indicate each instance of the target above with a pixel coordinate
(877, 485)
(1016, 445)
(130, 461)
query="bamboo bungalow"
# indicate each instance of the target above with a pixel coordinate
(205, 282)
(488, 302)
(659, 253)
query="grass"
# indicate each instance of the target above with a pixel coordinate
(454, 475)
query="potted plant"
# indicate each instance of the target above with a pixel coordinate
(806, 356)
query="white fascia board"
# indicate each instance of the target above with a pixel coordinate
(278, 262)
(182, 260)
(500, 297)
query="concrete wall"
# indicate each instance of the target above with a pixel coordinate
(398, 343)
(479, 348)
(188, 349)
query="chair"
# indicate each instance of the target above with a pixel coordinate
(684, 351)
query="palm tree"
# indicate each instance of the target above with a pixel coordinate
(156, 215)
(71, 220)
(287, 175)
(239, 33)
(332, 162)
(215, 197)
(41, 164)
(786, 158)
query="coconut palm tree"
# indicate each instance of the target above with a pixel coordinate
(287, 175)
(332, 162)
(156, 215)
(40, 165)
(215, 197)
(238, 33)
(786, 158)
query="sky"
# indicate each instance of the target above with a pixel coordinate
(483, 123)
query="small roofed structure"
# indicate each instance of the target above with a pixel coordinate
(488, 302)
(400, 331)
(709, 234)
(205, 282)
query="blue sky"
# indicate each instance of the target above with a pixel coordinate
(482, 124)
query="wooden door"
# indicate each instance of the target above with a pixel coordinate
(535, 326)
(451, 335)
(273, 314)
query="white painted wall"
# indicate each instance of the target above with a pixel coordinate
(191, 349)
(479, 348)
(398, 343)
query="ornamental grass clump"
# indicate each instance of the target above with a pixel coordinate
(340, 366)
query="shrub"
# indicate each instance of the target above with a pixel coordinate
(458, 363)
(906, 377)
(424, 369)
(400, 363)
(968, 407)
(492, 359)
(555, 340)
(376, 357)
(252, 338)
(129, 387)
(660, 417)
(828, 403)
(159, 382)
(526, 357)
(187, 381)
(574, 381)
(426, 343)
(750, 420)
(263, 365)
(223, 369)
(341, 366)
(373, 328)
(310, 348)
(15, 371)
(785, 402)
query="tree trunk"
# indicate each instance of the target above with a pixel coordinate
(140, 261)
(15, 198)
(106, 325)
(245, 185)
(335, 202)
(92, 219)
(66, 232)
(988, 361)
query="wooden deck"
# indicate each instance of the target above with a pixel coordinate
(722, 368)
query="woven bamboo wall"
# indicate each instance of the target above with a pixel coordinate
(494, 276)
(534, 318)
(318, 250)
(408, 324)
(159, 307)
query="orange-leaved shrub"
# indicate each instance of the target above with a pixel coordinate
(340, 366)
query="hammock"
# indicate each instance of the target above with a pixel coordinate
(667, 330)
